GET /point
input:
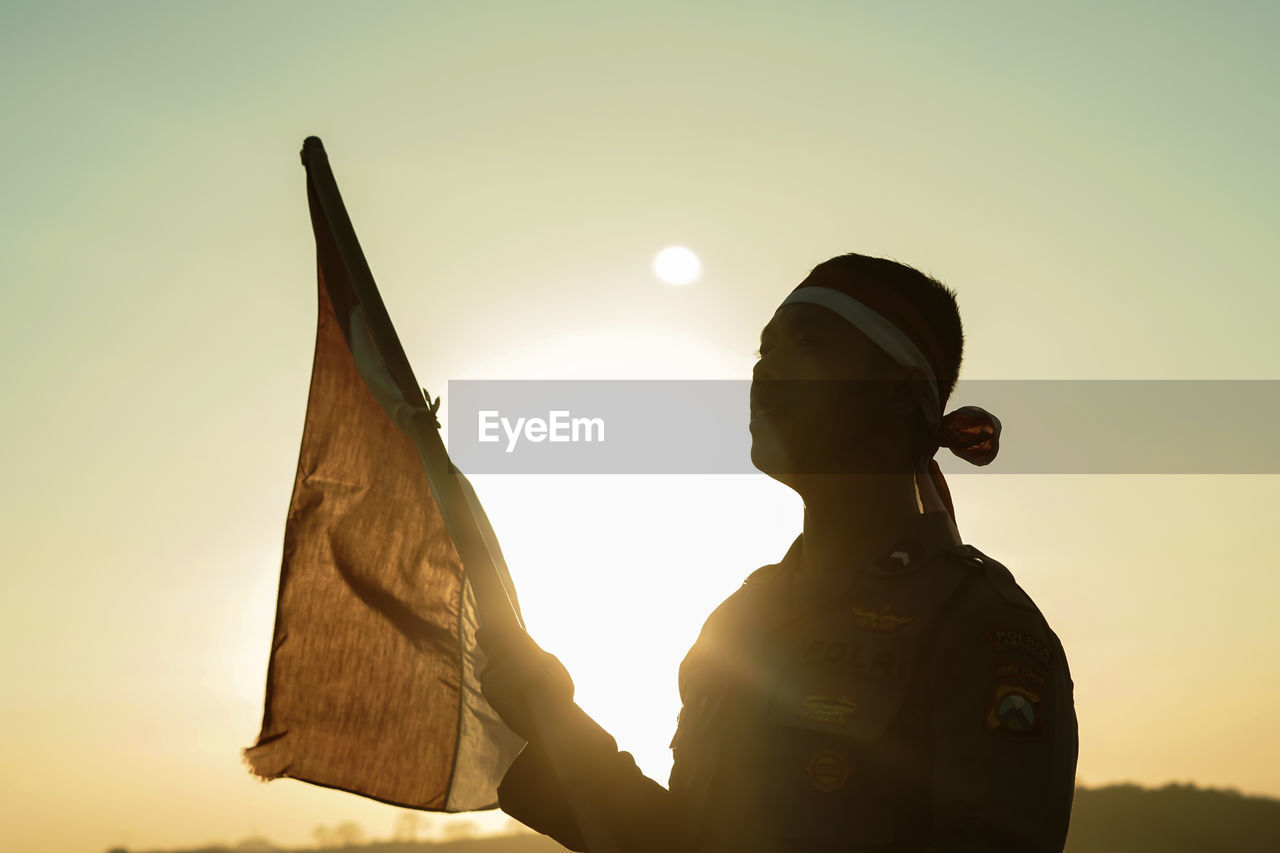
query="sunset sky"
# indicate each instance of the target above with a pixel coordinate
(1097, 180)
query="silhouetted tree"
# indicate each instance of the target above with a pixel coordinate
(323, 836)
(348, 833)
(407, 825)
(456, 829)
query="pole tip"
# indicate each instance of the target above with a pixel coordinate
(311, 145)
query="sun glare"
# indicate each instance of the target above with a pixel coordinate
(616, 574)
(677, 265)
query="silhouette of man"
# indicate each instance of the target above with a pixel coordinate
(883, 687)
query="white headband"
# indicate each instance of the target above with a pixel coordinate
(882, 333)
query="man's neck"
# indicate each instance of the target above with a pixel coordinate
(848, 520)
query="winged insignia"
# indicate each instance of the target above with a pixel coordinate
(884, 619)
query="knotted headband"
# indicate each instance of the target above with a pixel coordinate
(896, 325)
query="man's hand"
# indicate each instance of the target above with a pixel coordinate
(519, 674)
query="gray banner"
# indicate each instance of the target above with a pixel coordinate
(701, 426)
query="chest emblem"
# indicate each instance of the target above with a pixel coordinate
(828, 707)
(903, 555)
(828, 770)
(883, 620)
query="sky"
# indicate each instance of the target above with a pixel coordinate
(1097, 181)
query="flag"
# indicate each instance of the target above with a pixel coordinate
(372, 684)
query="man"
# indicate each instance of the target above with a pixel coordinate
(881, 688)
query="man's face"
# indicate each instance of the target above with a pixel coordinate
(818, 395)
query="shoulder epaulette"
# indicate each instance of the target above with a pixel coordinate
(996, 575)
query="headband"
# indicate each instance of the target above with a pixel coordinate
(882, 333)
(970, 432)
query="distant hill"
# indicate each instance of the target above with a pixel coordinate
(1172, 819)
(1113, 819)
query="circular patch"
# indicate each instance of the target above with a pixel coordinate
(1013, 712)
(828, 770)
(1016, 713)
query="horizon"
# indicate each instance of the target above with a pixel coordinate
(1100, 826)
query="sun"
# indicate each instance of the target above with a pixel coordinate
(677, 265)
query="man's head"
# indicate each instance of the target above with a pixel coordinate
(855, 368)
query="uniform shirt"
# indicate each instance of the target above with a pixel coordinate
(919, 702)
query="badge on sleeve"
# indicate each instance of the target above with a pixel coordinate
(1013, 640)
(1019, 671)
(1015, 712)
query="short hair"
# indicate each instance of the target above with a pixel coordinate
(933, 299)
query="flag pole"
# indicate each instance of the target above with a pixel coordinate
(493, 601)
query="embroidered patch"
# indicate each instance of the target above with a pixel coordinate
(1014, 712)
(828, 770)
(1020, 671)
(1012, 640)
(828, 707)
(883, 620)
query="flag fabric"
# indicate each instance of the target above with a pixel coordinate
(372, 685)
